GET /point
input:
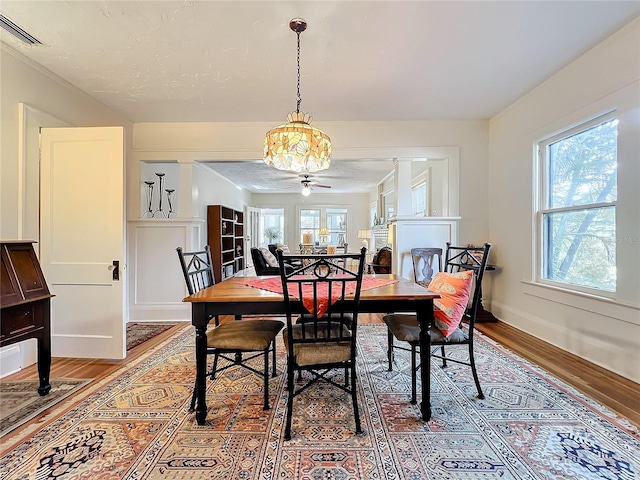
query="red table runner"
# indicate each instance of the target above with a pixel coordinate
(274, 284)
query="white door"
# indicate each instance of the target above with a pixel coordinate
(252, 238)
(82, 239)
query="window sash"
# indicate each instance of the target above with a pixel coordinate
(576, 227)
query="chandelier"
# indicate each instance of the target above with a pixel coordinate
(297, 146)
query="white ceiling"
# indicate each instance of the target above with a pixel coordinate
(235, 61)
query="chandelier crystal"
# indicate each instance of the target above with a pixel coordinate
(296, 146)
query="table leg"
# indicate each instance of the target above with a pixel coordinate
(198, 314)
(425, 320)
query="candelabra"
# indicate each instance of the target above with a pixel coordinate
(159, 210)
(170, 200)
(149, 192)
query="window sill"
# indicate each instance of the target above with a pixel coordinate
(605, 306)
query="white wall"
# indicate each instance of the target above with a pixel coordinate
(25, 82)
(604, 332)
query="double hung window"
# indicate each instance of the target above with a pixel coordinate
(333, 219)
(577, 207)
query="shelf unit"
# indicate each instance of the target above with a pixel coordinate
(225, 236)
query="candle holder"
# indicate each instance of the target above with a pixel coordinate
(170, 200)
(159, 211)
(149, 192)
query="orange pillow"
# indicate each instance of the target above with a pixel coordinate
(454, 290)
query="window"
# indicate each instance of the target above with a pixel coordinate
(337, 225)
(577, 214)
(333, 219)
(419, 198)
(272, 220)
(310, 223)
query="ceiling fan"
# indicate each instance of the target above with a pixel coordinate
(307, 185)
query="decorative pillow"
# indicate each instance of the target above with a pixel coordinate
(284, 247)
(269, 257)
(454, 289)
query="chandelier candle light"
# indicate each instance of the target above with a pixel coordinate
(297, 146)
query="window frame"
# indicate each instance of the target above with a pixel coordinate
(542, 209)
(420, 182)
(324, 212)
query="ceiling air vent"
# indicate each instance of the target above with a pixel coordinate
(18, 32)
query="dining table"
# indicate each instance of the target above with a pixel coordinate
(234, 296)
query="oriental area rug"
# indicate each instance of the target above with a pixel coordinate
(20, 400)
(135, 424)
(138, 333)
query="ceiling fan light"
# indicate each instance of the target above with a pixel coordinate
(306, 191)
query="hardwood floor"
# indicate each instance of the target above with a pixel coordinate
(618, 393)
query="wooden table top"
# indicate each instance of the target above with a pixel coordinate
(234, 289)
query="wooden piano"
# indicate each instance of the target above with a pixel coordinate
(25, 304)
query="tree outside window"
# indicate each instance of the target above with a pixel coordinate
(578, 206)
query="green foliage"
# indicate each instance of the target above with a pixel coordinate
(272, 234)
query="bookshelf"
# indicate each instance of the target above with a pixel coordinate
(225, 236)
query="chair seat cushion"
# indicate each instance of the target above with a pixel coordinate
(406, 329)
(247, 335)
(403, 326)
(319, 353)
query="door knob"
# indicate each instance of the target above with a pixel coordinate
(115, 270)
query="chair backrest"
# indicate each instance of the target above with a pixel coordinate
(197, 268)
(469, 258)
(424, 261)
(328, 291)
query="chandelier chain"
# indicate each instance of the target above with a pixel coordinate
(299, 98)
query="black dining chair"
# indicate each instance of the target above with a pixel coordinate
(405, 328)
(426, 262)
(325, 341)
(255, 337)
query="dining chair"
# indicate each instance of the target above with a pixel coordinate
(463, 267)
(426, 261)
(254, 337)
(325, 341)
